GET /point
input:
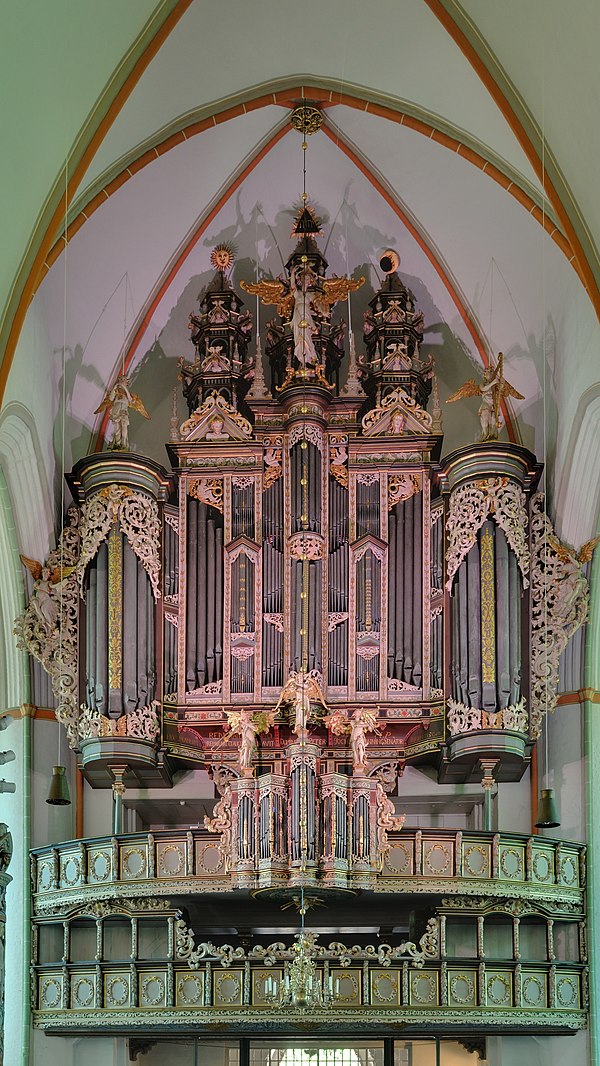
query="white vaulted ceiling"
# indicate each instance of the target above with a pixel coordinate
(174, 123)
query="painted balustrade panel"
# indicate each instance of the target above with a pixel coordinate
(200, 861)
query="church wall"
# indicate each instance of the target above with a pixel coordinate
(538, 1050)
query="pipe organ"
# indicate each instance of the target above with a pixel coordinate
(309, 533)
(309, 599)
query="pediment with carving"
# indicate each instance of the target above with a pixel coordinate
(215, 420)
(397, 415)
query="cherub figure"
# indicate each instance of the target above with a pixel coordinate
(299, 690)
(117, 402)
(492, 389)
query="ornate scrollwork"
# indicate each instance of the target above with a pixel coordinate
(306, 431)
(470, 505)
(338, 458)
(208, 490)
(139, 521)
(382, 954)
(463, 719)
(305, 545)
(141, 724)
(47, 629)
(382, 418)
(401, 487)
(221, 823)
(559, 606)
(387, 822)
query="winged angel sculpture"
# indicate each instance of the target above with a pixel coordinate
(298, 301)
(45, 599)
(249, 725)
(117, 402)
(492, 389)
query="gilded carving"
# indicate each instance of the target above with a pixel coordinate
(139, 521)
(401, 487)
(470, 506)
(559, 606)
(221, 823)
(217, 420)
(463, 719)
(338, 459)
(397, 413)
(273, 460)
(47, 629)
(142, 723)
(208, 490)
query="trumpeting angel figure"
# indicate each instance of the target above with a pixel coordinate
(492, 389)
(117, 402)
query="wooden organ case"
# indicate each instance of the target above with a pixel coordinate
(309, 600)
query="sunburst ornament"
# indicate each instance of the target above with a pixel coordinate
(306, 221)
(222, 257)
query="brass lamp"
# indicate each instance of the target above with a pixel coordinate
(547, 812)
(58, 794)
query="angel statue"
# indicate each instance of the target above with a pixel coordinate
(492, 389)
(361, 722)
(297, 302)
(248, 725)
(299, 690)
(117, 402)
(45, 598)
(571, 605)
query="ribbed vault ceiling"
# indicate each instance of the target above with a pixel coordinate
(176, 131)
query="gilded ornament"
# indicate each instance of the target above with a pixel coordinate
(559, 606)
(48, 628)
(470, 506)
